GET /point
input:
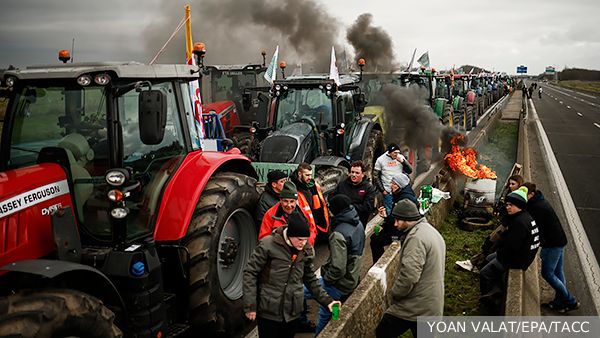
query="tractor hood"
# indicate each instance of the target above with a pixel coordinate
(291, 144)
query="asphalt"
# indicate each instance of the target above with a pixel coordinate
(568, 120)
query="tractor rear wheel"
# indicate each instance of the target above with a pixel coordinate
(220, 239)
(56, 313)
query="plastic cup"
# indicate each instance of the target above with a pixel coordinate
(376, 229)
(335, 311)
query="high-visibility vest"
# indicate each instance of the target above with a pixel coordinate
(318, 202)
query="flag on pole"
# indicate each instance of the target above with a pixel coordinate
(424, 60)
(333, 70)
(197, 133)
(411, 61)
(271, 72)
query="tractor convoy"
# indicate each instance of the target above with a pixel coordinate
(113, 216)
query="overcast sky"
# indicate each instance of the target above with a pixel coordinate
(496, 35)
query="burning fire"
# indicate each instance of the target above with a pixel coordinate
(466, 161)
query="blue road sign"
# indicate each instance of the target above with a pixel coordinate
(521, 70)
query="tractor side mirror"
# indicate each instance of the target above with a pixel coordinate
(152, 113)
(359, 101)
(246, 101)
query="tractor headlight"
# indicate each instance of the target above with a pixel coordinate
(328, 86)
(115, 178)
(102, 79)
(119, 212)
(84, 80)
(10, 81)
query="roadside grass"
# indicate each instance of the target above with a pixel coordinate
(461, 286)
(588, 86)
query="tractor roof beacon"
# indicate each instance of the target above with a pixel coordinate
(111, 213)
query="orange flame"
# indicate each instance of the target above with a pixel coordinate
(465, 161)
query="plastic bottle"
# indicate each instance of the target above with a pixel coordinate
(335, 311)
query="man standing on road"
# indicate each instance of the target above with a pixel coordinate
(279, 213)
(310, 197)
(360, 191)
(387, 165)
(419, 286)
(279, 266)
(553, 241)
(269, 197)
(341, 272)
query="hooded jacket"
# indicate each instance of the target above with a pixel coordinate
(346, 247)
(275, 276)
(519, 243)
(362, 196)
(551, 231)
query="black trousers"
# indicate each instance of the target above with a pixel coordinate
(272, 329)
(380, 241)
(393, 327)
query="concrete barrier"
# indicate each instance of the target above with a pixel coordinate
(523, 287)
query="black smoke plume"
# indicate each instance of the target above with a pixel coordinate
(371, 43)
(236, 31)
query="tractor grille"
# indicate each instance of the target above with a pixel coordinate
(279, 149)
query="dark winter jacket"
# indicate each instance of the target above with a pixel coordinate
(362, 196)
(275, 276)
(267, 199)
(404, 193)
(519, 243)
(346, 247)
(551, 231)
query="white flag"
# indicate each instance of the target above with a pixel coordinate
(333, 70)
(272, 69)
(424, 60)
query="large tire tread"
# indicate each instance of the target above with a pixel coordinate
(223, 193)
(56, 313)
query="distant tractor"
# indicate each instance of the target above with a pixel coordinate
(312, 119)
(112, 218)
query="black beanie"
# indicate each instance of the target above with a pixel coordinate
(393, 147)
(406, 210)
(339, 203)
(297, 226)
(275, 175)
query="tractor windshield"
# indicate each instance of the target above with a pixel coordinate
(75, 118)
(220, 85)
(309, 105)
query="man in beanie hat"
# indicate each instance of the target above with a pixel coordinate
(310, 196)
(361, 192)
(517, 245)
(279, 266)
(279, 213)
(553, 241)
(419, 286)
(401, 190)
(269, 197)
(341, 273)
(387, 165)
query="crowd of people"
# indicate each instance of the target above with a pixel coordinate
(293, 213)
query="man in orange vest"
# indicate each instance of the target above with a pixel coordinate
(310, 196)
(278, 214)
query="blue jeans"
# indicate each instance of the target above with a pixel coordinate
(553, 273)
(388, 203)
(324, 313)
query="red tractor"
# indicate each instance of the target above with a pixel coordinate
(113, 220)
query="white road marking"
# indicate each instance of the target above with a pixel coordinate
(597, 125)
(560, 102)
(580, 114)
(568, 107)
